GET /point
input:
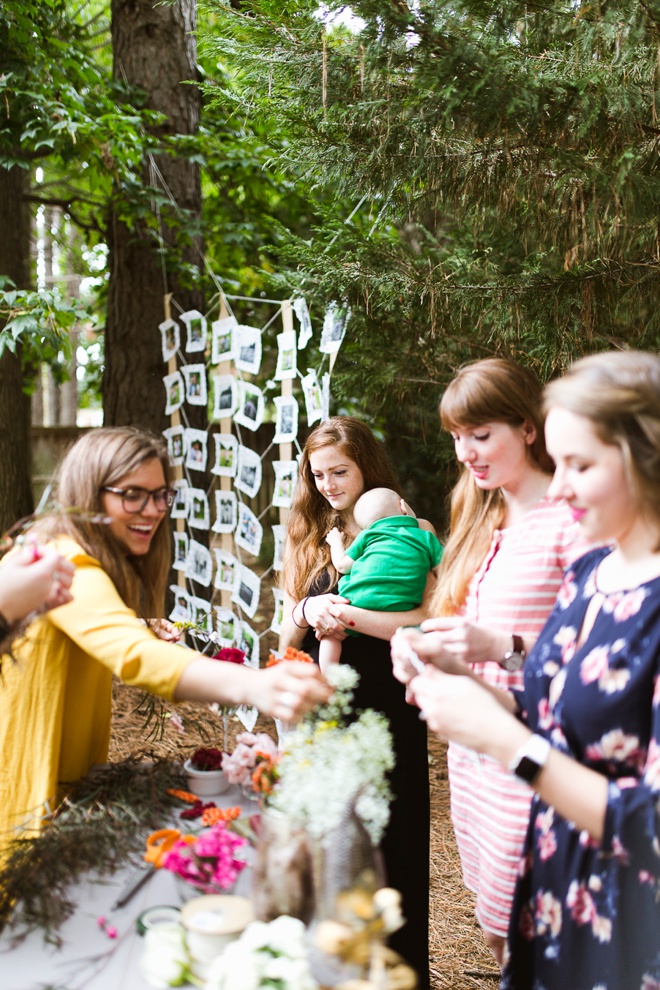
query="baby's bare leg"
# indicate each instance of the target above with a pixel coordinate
(329, 652)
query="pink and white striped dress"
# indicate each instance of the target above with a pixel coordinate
(513, 591)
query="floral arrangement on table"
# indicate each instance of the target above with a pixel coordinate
(273, 955)
(329, 763)
(252, 754)
(210, 861)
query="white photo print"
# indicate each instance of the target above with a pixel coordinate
(181, 504)
(247, 590)
(225, 396)
(225, 626)
(222, 339)
(225, 570)
(226, 455)
(278, 612)
(226, 512)
(250, 409)
(279, 536)
(180, 551)
(286, 475)
(175, 444)
(199, 516)
(170, 332)
(313, 397)
(247, 356)
(199, 564)
(196, 450)
(175, 392)
(195, 378)
(182, 610)
(286, 421)
(196, 330)
(249, 531)
(248, 472)
(287, 360)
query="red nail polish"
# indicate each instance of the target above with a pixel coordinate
(351, 623)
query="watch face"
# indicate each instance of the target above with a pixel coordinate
(527, 769)
(513, 661)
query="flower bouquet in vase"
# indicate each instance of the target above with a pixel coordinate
(208, 863)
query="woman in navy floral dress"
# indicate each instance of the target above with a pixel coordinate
(586, 914)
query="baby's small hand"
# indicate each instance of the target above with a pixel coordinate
(335, 538)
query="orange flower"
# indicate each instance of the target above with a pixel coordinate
(182, 795)
(211, 816)
(291, 653)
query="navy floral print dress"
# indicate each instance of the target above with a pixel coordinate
(586, 915)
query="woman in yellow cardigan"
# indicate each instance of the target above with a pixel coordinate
(55, 699)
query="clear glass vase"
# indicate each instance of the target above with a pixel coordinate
(282, 874)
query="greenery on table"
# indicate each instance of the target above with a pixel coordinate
(103, 821)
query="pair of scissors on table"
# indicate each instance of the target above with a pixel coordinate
(159, 844)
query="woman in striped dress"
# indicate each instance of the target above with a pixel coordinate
(508, 548)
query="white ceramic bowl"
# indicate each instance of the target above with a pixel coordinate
(206, 783)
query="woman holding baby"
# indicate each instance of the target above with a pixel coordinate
(342, 460)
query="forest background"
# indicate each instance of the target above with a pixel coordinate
(472, 178)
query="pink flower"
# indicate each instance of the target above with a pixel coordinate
(545, 717)
(547, 845)
(567, 591)
(581, 904)
(211, 861)
(594, 665)
(629, 604)
(230, 654)
(111, 931)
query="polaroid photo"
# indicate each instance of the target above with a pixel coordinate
(247, 356)
(248, 642)
(249, 531)
(247, 591)
(287, 358)
(175, 444)
(195, 376)
(325, 397)
(278, 612)
(286, 476)
(174, 391)
(226, 626)
(196, 327)
(222, 339)
(199, 516)
(313, 397)
(199, 564)
(170, 332)
(248, 472)
(201, 613)
(302, 312)
(196, 451)
(226, 455)
(180, 551)
(279, 536)
(286, 421)
(225, 396)
(226, 570)
(335, 322)
(250, 411)
(182, 611)
(226, 512)
(181, 504)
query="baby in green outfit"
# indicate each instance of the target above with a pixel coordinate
(386, 566)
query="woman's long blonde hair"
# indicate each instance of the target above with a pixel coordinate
(619, 393)
(496, 390)
(104, 457)
(306, 554)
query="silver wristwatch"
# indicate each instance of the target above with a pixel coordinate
(514, 658)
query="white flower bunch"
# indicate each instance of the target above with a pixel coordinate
(328, 766)
(270, 955)
(343, 679)
(165, 961)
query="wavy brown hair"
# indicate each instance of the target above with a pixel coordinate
(496, 390)
(104, 457)
(306, 553)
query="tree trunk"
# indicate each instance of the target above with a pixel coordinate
(155, 49)
(15, 468)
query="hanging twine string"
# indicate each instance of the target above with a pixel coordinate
(324, 74)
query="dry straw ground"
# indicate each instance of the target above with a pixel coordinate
(459, 957)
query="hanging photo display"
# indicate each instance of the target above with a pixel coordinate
(248, 472)
(181, 503)
(201, 613)
(199, 516)
(226, 455)
(325, 397)
(248, 716)
(174, 391)
(286, 421)
(222, 339)
(278, 612)
(286, 475)
(248, 642)
(250, 410)
(225, 396)
(287, 364)
(302, 312)
(196, 453)
(180, 551)
(279, 535)
(195, 377)
(199, 564)
(182, 611)
(196, 330)
(313, 397)
(226, 512)
(247, 356)
(226, 569)
(334, 328)
(175, 444)
(249, 531)
(226, 626)
(170, 338)
(247, 590)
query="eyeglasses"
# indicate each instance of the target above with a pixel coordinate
(135, 499)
